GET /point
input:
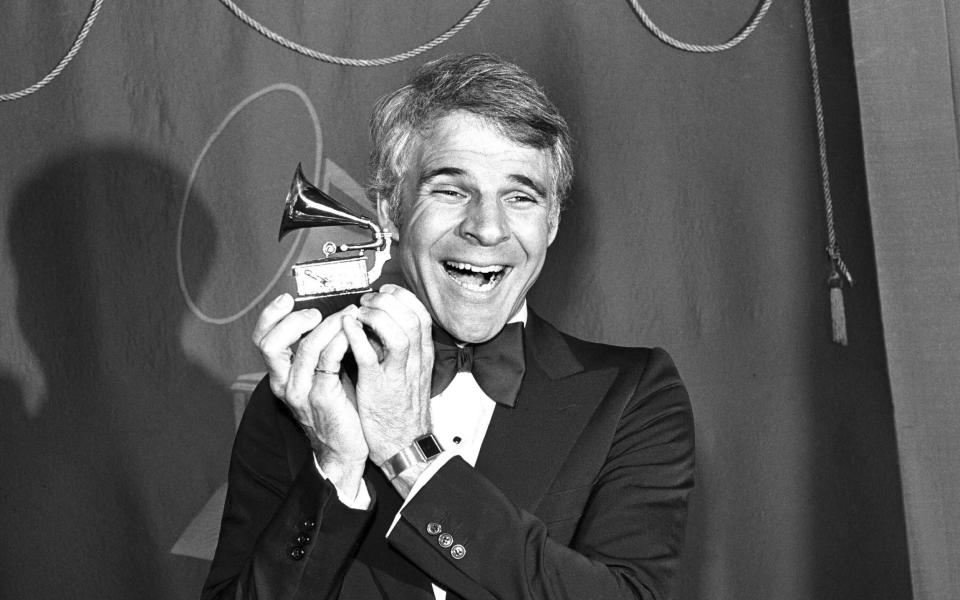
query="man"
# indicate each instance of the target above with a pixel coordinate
(564, 474)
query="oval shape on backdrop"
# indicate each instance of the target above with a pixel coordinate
(242, 186)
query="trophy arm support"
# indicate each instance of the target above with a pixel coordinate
(380, 238)
(381, 257)
(376, 244)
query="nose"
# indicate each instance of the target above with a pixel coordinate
(485, 222)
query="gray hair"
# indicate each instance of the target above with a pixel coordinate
(483, 84)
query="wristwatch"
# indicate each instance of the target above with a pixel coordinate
(422, 450)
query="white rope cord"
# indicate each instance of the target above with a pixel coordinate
(356, 62)
(702, 48)
(94, 11)
(833, 249)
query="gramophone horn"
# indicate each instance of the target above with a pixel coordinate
(308, 206)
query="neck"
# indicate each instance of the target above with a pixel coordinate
(518, 317)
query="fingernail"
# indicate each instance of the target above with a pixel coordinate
(312, 313)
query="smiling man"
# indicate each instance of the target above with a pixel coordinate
(439, 439)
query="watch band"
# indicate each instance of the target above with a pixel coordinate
(422, 450)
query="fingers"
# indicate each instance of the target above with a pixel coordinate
(363, 352)
(271, 315)
(329, 360)
(315, 352)
(391, 323)
(399, 320)
(275, 334)
(409, 300)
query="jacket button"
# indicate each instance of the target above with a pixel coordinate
(434, 528)
(303, 539)
(309, 524)
(458, 552)
(445, 540)
(297, 553)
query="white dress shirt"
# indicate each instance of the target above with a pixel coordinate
(459, 416)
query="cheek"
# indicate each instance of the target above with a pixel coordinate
(425, 229)
(415, 214)
(415, 260)
(535, 240)
(409, 265)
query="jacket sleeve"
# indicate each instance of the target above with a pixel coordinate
(628, 537)
(284, 533)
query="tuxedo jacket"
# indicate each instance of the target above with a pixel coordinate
(579, 492)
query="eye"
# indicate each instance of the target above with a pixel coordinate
(449, 192)
(522, 199)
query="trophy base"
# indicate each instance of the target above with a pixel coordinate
(326, 303)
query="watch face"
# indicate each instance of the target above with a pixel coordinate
(429, 446)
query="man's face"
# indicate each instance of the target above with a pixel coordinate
(478, 215)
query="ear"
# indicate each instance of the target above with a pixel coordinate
(384, 219)
(554, 226)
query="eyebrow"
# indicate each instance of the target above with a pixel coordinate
(431, 174)
(524, 180)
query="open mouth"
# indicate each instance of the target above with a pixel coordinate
(473, 277)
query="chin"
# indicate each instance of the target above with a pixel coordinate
(474, 332)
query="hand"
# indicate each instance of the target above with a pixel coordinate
(317, 399)
(393, 387)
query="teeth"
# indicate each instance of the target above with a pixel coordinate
(475, 268)
(473, 277)
(476, 286)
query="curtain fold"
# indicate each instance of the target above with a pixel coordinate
(907, 73)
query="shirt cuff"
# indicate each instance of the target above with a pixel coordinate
(362, 499)
(431, 470)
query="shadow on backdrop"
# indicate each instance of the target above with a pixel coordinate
(131, 437)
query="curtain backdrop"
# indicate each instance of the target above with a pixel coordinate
(140, 195)
(908, 69)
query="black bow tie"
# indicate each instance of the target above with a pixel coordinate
(496, 364)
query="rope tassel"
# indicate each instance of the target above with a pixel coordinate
(838, 316)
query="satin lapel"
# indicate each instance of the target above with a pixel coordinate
(526, 445)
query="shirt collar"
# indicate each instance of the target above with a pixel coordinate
(520, 316)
